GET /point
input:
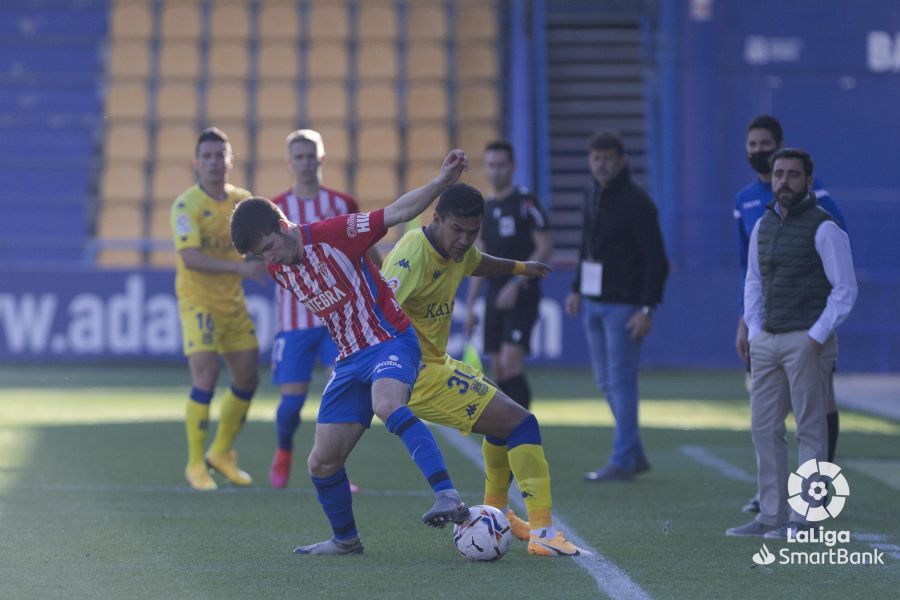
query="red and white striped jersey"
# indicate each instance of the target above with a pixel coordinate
(329, 203)
(338, 283)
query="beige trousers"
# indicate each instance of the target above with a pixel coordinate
(787, 374)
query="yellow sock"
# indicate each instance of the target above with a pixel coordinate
(496, 475)
(533, 474)
(196, 424)
(234, 412)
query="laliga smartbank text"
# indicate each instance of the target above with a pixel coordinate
(804, 548)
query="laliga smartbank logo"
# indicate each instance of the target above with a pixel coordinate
(818, 491)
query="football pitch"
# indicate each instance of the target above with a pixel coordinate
(93, 503)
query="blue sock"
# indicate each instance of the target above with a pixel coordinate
(337, 502)
(421, 447)
(287, 419)
(526, 432)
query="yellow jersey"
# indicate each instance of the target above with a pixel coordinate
(200, 221)
(425, 281)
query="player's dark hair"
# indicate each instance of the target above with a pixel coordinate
(253, 219)
(460, 200)
(770, 124)
(803, 155)
(503, 145)
(606, 140)
(210, 134)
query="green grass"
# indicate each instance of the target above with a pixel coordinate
(93, 504)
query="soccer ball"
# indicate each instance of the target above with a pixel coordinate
(485, 535)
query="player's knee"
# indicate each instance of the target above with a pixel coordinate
(322, 466)
(385, 407)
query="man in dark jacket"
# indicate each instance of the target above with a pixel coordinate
(621, 274)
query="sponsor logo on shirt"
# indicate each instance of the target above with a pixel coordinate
(752, 203)
(437, 310)
(182, 225)
(327, 301)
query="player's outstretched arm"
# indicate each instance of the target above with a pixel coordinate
(491, 265)
(412, 204)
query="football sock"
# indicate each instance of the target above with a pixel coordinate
(518, 390)
(287, 419)
(497, 473)
(526, 459)
(421, 447)
(234, 412)
(196, 424)
(334, 495)
(833, 430)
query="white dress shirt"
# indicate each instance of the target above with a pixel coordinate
(833, 247)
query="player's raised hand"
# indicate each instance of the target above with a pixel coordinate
(535, 269)
(453, 167)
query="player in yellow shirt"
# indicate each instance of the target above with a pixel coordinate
(213, 310)
(425, 269)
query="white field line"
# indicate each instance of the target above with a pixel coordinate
(705, 457)
(611, 580)
(185, 489)
(725, 468)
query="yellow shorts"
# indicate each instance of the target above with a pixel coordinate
(452, 394)
(205, 330)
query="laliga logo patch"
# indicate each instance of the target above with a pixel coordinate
(763, 557)
(351, 227)
(808, 490)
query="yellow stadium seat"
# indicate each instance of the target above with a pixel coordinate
(377, 143)
(327, 60)
(181, 19)
(272, 178)
(126, 141)
(473, 136)
(426, 20)
(176, 141)
(426, 60)
(122, 182)
(176, 101)
(477, 101)
(179, 59)
(418, 174)
(428, 143)
(170, 179)
(476, 20)
(129, 59)
(270, 142)
(131, 21)
(336, 139)
(160, 221)
(328, 21)
(279, 20)
(278, 60)
(126, 101)
(376, 21)
(376, 60)
(476, 61)
(163, 258)
(226, 101)
(228, 59)
(121, 221)
(376, 184)
(326, 101)
(276, 102)
(334, 174)
(115, 258)
(229, 21)
(426, 101)
(376, 101)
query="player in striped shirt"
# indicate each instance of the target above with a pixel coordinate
(324, 265)
(301, 337)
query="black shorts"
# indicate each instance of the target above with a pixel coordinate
(511, 326)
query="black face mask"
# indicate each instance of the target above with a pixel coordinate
(759, 161)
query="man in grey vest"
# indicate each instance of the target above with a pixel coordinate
(800, 286)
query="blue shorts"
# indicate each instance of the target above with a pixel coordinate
(294, 353)
(348, 396)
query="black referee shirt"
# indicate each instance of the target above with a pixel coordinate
(508, 226)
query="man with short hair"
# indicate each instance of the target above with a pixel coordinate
(301, 337)
(324, 265)
(425, 269)
(213, 311)
(621, 274)
(764, 136)
(800, 286)
(515, 227)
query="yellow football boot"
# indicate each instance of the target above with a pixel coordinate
(226, 464)
(198, 476)
(555, 546)
(519, 527)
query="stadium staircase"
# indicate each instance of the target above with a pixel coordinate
(50, 116)
(595, 81)
(391, 84)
